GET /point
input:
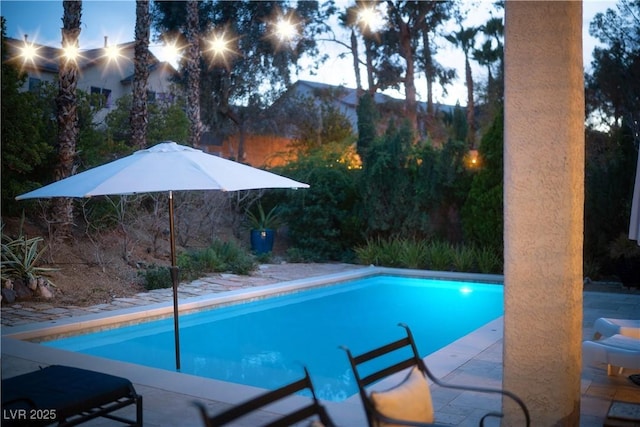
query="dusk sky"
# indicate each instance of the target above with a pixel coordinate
(41, 22)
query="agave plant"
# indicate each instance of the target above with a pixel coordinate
(262, 220)
(20, 257)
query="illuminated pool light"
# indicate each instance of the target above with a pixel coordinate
(465, 290)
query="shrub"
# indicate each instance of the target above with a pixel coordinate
(414, 254)
(440, 255)
(219, 256)
(193, 264)
(391, 252)
(464, 258)
(157, 277)
(323, 223)
(20, 257)
(482, 213)
(369, 253)
(488, 260)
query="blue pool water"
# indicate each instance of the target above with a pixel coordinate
(265, 343)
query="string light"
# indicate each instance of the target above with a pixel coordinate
(70, 52)
(370, 19)
(221, 47)
(284, 28)
(28, 51)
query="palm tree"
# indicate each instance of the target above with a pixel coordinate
(407, 20)
(487, 56)
(67, 114)
(193, 73)
(465, 40)
(494, 29)
(138, 115)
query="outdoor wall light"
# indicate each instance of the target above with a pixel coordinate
(472, 159)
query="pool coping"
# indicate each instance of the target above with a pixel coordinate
(349, 411)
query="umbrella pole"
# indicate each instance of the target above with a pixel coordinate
(174, 280)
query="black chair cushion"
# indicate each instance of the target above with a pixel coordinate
(66, 389)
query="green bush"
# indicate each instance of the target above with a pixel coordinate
(157, 277)
(440, 255)
(482, 213)
(193, 264)
(488, 260)
(464, 258)
(218, 257)
(414, 254)
(323, 222)
(420, 254)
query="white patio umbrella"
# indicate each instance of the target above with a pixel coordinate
(170, 167)
(634, 221)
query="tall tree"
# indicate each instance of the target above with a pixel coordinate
(613, 103)
(494, 30)
(25, 146)
(368, 116)
(67, 114)
(406, 19)
(364, 19)
(465, 40)
(613, 87)
(193, 73)
(433, 70)
(256, 67)
(403, 42)
(138, 117)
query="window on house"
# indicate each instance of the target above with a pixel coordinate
(100, 97)
(164, 97)
(34, 84)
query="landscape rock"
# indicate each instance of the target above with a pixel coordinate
(21, 290)
(8, 295)
(43, 289)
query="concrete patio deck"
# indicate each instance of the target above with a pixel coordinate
(169, 396)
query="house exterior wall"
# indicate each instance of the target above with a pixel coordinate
(97, 73)
(260, 150)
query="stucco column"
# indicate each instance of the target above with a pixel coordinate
(543, 209)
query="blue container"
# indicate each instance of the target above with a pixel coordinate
(262, 241)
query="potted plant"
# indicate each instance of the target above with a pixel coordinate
(263, 226)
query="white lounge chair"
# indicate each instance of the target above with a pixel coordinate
(617, 351)
(607, 327)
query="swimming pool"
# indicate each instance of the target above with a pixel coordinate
(265, 342)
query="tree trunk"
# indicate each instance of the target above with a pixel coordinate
(409, 79)
(138, 117)
(67, 116)
(356, 62)
(471, 108)
(369, 58)
(193, 74)
(429, 71)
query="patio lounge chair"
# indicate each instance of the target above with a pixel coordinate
(617, 351)
(312, 409)
(408, 403)
(66, 396)
(607, 327)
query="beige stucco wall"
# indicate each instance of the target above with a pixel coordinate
(544, 186)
